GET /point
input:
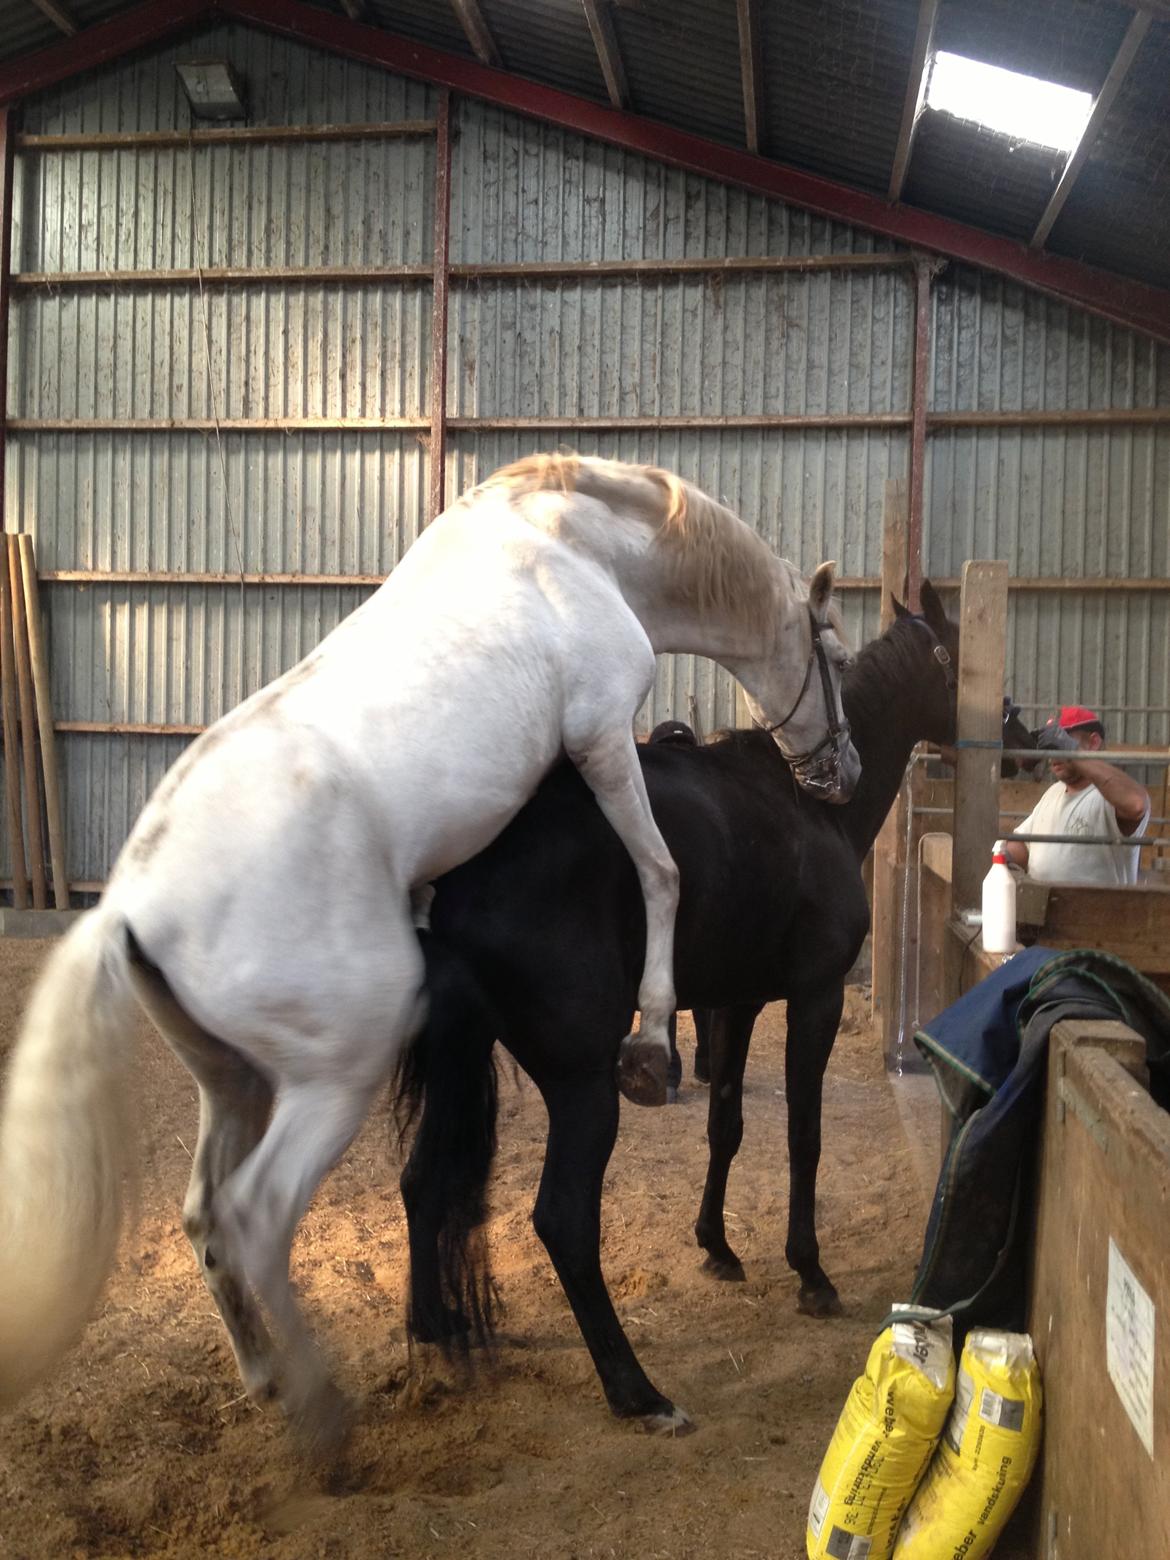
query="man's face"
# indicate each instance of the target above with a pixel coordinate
(1068, 770)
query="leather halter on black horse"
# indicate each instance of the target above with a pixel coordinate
(820, 768)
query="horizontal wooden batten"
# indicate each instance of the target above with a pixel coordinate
(223, 276)
(223, 135)
(539, 271)
(419, 425)
(843, 422)
(1084, 586)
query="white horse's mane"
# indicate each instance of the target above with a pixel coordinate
(716, 562)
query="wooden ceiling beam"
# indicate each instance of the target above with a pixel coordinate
(608, 53)
(752, 71)
(1103, 102)
(477, 32)
(58, 15)
(915, 98)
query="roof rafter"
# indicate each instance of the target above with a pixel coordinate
(915, 95)
(1102, 103)
(752, 72)
(355, 9)
(477, 31)
(58, 15)
(608, 53)
(1136, 305)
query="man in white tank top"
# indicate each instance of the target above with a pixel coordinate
(1089, 797)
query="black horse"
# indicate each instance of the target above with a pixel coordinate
(538, 942)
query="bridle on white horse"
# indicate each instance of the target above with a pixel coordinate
(818, 770)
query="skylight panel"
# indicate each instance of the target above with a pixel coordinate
(1023, 107)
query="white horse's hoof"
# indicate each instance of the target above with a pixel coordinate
(677, 1422)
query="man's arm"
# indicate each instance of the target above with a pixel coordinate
(1017, 852)
(1128, 799)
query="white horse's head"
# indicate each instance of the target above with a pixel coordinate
(807, 722)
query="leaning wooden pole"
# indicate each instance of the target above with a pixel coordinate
(28, 728)
(40, 677)
(982, 633)
(886, 918)
(11, 744)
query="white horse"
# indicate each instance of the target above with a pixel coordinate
(260, 910)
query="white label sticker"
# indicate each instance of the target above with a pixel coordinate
(818, 1507)
(1129, 1345)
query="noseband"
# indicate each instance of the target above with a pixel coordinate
(818, 770)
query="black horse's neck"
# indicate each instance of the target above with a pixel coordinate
(885, 699)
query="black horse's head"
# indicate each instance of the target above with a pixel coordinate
(1015, 735)
(939, 692)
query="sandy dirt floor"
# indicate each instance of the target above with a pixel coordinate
(141, 1444)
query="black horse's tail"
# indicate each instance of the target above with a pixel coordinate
(445, 1089)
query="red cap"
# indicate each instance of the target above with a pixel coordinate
(1074, 715)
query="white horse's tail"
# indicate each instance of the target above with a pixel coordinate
(66, 1145)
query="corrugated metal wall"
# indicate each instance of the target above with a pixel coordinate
(349, 502)
(1075, 502)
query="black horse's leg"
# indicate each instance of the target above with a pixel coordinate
(702, 1018)
(728, 1033)
(583, 1118)
(813, 1018)
(674, 1068)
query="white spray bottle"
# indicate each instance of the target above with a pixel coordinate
(999, 905)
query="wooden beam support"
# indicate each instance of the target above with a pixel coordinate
(982, 631)
(58, 15)
(1103, 102)
(608, 53)
(354, 9)
(439, 296)
(751, 69)
(915, 95)
(477, 32)
(919, 397)
(885, 919)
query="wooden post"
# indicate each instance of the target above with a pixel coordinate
(11, 743)
(28, 728)
(982, 631)
(919, 395)
(889, 846)
(40, 677)
(887, 867)
(439, 291)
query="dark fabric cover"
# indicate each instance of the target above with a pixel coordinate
(988, 1051)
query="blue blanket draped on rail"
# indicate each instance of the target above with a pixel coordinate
(988, 1053)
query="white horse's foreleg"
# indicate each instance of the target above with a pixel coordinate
(610, 767)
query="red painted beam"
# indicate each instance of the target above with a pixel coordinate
(98, 45)
(1129, 303)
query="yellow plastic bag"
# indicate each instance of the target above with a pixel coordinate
(888, 1428)
(985, 1457)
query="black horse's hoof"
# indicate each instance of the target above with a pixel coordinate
(821, 1302)
(727, 1271)
(642, 1071)
(671, 1421)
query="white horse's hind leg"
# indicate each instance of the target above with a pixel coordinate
(610, 767)
(232, 1120)
(234, 1105)
(259, 1209)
